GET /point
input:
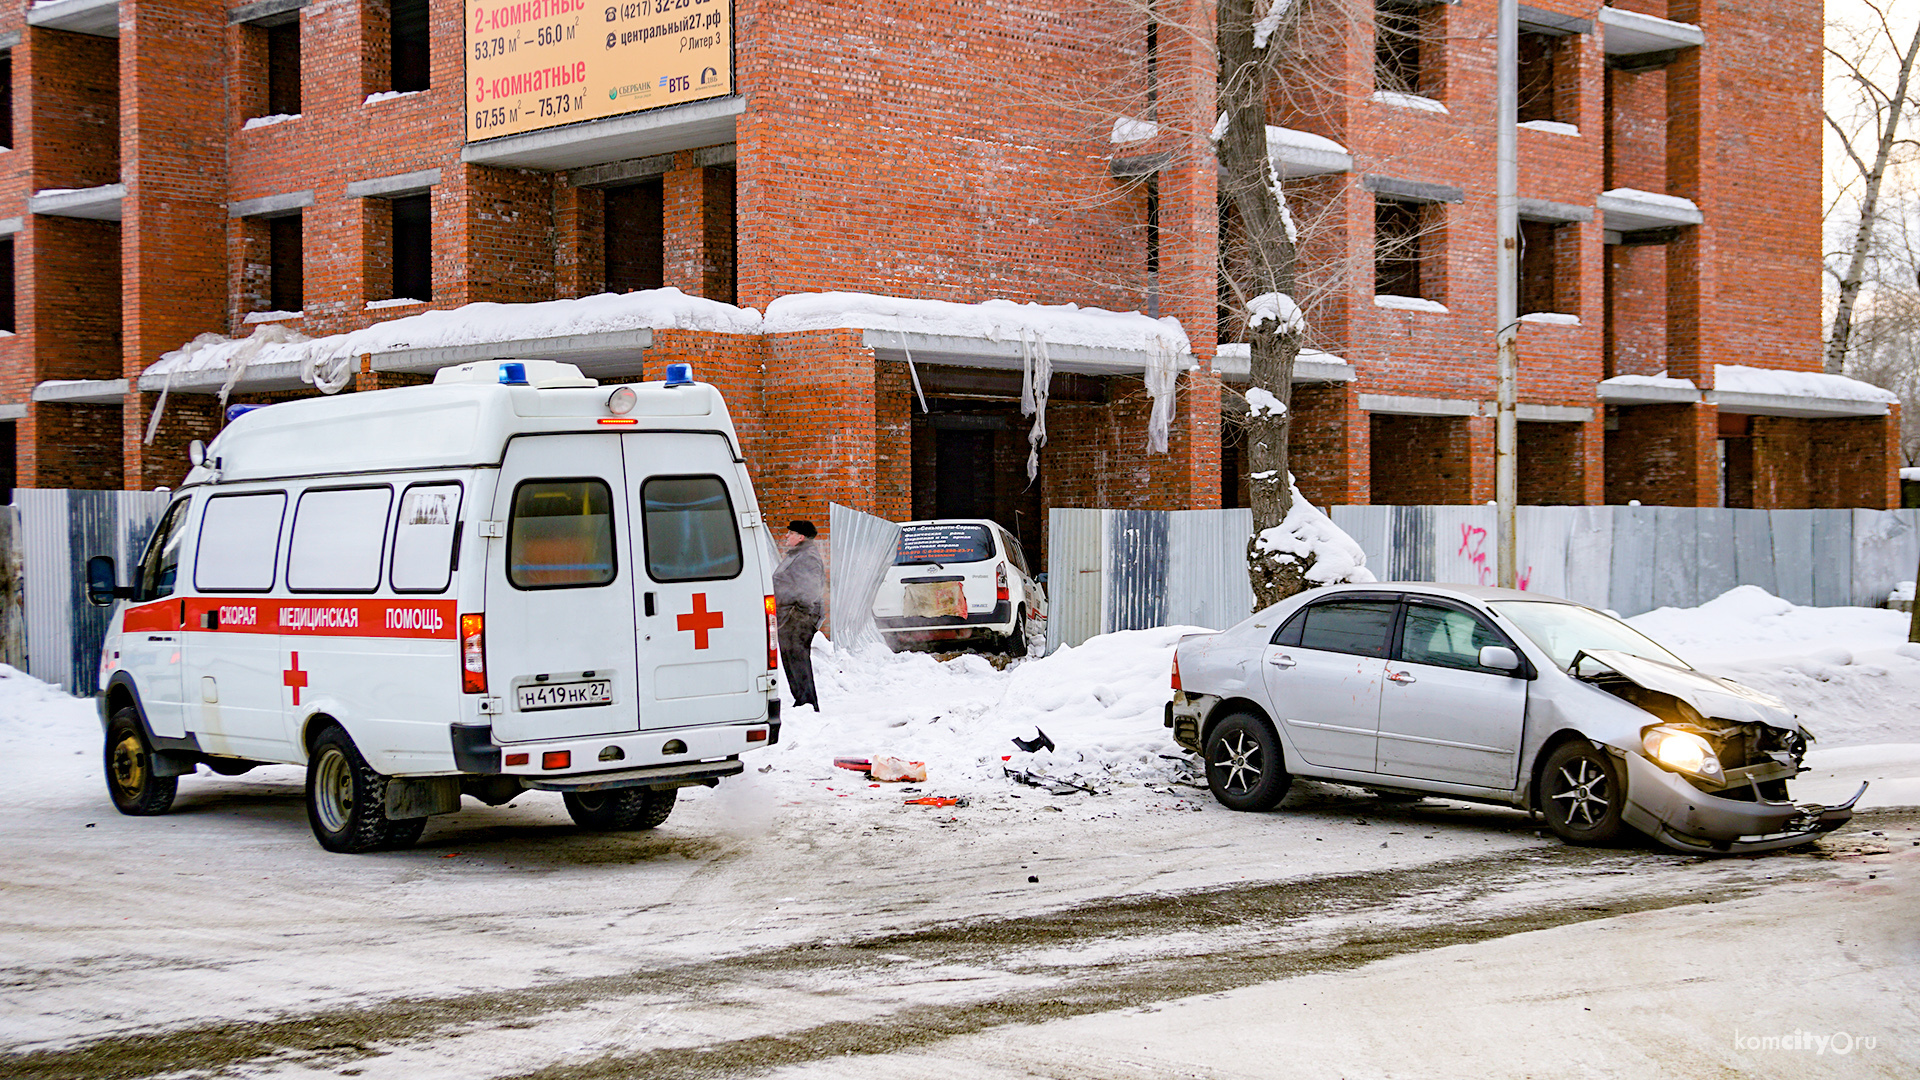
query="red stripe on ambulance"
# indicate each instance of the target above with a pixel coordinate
(419, 619)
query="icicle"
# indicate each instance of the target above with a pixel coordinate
(913, 374)
(160, 406)
(1036, 378)
(1163, 375)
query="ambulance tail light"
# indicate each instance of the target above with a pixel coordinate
(773, 639)
(1000, 585)
(473, 654)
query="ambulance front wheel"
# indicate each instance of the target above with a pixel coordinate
(130, 779)
(346, 800)
(621, 809)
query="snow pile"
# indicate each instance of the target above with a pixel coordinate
(1309, 534)
(1902, 592)
(268, 121)
(1279, 138)
(1740, 379)
(993, 320)
(1551, 127)
(1128, 130)
(1410, 303)
(1261, 402)
(1661, 381)
(1551, 318)
(34, 715)
(1408, 101)
(1101, 704)
(1910, 474)
(1276, 308)
(1848, 672)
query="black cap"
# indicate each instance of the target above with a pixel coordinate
(803, 527)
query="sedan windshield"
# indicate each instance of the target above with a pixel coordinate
(1564, 630)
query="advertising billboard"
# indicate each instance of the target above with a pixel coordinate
(534, 64)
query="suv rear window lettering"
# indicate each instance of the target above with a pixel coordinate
(239, 542)
(691, 533)
(1355, 627)
(423, 538)
(560, 535)
(339, 535)
(924, 544)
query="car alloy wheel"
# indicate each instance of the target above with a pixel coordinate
(1244, 763)
(1583, 794)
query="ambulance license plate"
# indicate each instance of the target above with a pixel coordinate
(566, 695)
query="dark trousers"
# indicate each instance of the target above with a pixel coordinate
(797, 625)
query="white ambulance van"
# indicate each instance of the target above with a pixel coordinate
(510, 579)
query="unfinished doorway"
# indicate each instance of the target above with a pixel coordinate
(963, 472)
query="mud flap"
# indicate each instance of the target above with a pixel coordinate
(425, 796)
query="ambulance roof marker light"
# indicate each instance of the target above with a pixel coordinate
(622, 401)
(679, 375)
(513, 373)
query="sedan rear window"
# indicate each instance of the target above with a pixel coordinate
(1356, 627)
(923, 544)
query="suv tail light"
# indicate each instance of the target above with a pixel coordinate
(1000, 585)
(773, 639)
(473, 654)
(1176, 671)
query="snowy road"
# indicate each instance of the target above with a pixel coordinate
(800, 922)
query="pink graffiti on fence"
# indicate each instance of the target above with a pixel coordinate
(1473, 545)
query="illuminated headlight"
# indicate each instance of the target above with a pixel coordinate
(621, 401)
(1682, 751)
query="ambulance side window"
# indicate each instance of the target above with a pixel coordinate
(161, 563)
(691, 531)
(239, 542)
(423, 538)
(561, 535)
(339, 535)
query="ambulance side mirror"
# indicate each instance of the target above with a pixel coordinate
(103, 584)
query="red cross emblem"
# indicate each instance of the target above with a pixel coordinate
(700, 620)
(294, 677)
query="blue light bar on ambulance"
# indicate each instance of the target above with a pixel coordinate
(235, 412)
(513, 373)
(679, 374)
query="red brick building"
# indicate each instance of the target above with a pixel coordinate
(183, 167)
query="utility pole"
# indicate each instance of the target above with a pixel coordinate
(1506, 269)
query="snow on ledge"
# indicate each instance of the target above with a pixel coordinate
(1740, 379)
(1128, 130)
(1551, 127)
(993, 320)
(1910, 473)
(1294, 138)
(1657, 381)
(398, 301)
(1650, 198)
(389, 95)
(1551, 318)
(268, 121)
(273, 316)
(1410, 303)
(1408, 101)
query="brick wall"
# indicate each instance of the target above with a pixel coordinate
(1420, 459)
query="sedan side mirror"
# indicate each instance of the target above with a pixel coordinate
(103, 584)
(1499, 658)
(1040, 578)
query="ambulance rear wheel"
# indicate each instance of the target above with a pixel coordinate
(621, 809)
(346, 800)
(135, 789)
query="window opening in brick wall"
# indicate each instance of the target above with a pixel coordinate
(1153, 247)
(1539, 286)
(720, 265)
(1406, 48)
(1538, 56)
(1153, 67)
(8, 466)
(283, 68)
(635, 217)
(1398, 229)
(411, 57)
(6, 286)
(285, 267)
(412, 248)
(6, 98)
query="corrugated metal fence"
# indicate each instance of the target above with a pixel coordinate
(60, 530)
(1130, 569)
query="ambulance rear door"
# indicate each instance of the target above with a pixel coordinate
(702, 589)
(560, 593)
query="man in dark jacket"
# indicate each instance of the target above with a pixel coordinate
(800, 598)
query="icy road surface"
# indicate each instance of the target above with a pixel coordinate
(802, 922)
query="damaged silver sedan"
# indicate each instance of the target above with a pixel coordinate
(1492, 695)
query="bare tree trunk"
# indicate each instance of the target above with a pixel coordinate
(1268, 268)
(1888, 127)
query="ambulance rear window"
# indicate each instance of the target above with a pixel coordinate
(561, 535)
(691, 532)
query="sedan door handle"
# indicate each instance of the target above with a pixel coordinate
(1402, 677)
(1281, 660)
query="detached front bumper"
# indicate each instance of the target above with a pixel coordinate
(1666, 807)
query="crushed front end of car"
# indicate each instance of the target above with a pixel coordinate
(1710, 771)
